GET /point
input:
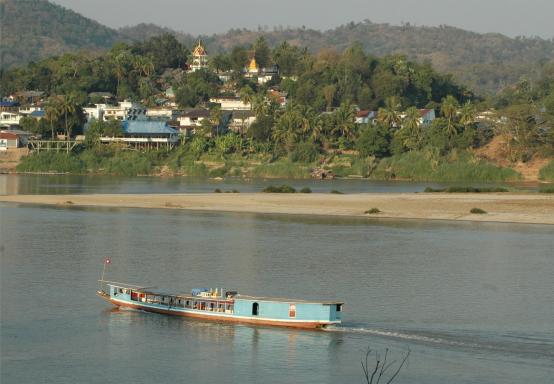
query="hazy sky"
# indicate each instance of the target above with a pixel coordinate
(510, 17)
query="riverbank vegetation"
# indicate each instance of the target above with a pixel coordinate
(316, 129)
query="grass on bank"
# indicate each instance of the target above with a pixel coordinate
(547, 172)
(546, 189)
(421, 166)
(477, 211)
(415, 166)
(466, 189)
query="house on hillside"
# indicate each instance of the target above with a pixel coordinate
(126, 110)
(365, 117)
(277, 96)
(28, 97)
(241, 121)
(427, 116)
(13, 138)
(9, 119)
(231, 103)
(193, 117)
(162, 113)
(29, 109)
(9, 106)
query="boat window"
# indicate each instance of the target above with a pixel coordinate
(339, 307)
(255, 309)
(292, 310)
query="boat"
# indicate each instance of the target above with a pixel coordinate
(223, 305)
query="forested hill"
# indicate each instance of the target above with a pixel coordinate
(485, 62)
(34, 29)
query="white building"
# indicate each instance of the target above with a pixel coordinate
(7, 119)
(124, 111)
(164, 112)
(241, 121)
(231, 103)
(27, 110)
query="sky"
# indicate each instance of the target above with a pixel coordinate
(509, 17)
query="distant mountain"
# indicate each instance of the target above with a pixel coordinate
(34, 29)
(485, 62)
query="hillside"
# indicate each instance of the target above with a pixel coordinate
(485, 62)
(33, 29)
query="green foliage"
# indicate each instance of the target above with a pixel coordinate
(426, 166)
(335, 192)
(305, 152)
(546, 189)
(372, 211)
(374, 140)
(547, 172)
(477, 211)
(281, 169)
(467, 189)
(306, 190)
(45, 162)
(279, 189)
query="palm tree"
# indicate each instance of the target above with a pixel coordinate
(51, 112)
(449, 109)
(307, 117)
(411, 128)
(389, 115)
(246, 94)
(287, 126)
(345, 120)
(467, 114)
(215, 117)
(329, 95)
(67, 105)
(120, 63)
(260, 104)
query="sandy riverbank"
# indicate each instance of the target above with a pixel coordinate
(501, 207)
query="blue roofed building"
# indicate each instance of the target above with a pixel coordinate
(145, 134)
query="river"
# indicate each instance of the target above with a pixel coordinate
(473, 302)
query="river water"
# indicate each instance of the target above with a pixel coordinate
(473, 302)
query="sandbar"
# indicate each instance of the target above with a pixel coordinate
(527, 208)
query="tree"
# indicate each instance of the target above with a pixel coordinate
(67, 106)
(467, 114)
(411, 131)
(239, 58)
(345, 120)
(329, 95)
(262, 53)
(381, 369)
(246, 94)
(389, 115)
(374, 140)
(449, 109)
(52, 112)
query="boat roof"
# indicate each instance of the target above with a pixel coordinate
(148, 290)
(285, 300)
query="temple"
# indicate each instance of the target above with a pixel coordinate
(199, 57)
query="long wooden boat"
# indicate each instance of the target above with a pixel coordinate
(221, 305)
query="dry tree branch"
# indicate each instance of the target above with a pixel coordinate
(382, 367)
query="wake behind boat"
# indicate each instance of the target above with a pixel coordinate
(221, 305)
